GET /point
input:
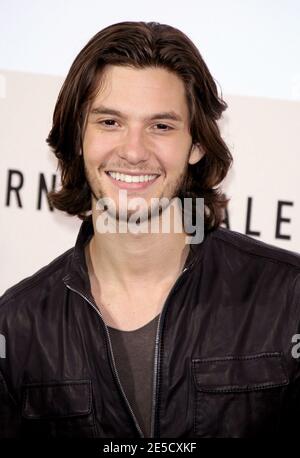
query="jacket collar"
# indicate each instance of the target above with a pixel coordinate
(77, 276)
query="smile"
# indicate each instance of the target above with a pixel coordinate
(131, 178)
(125, 181)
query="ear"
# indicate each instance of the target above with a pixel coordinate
(196, 153)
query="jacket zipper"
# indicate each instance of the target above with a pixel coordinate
(112, 359)
(156, 372)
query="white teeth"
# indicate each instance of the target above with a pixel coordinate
(131, 178)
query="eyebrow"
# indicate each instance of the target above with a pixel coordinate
(171, 115)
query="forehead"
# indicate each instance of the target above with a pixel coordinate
(143, 90)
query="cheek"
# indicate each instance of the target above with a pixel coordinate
(174, 157)
(95, 149)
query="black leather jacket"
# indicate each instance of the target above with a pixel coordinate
(223, 357)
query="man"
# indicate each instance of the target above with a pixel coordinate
(135, 333)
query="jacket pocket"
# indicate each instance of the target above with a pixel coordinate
(238, 396)
(58, 409)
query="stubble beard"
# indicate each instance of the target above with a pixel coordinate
(173, 190)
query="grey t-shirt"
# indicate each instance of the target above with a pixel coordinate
(134, 357)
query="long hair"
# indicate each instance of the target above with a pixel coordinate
(140, 45)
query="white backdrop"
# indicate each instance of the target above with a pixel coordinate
(252, 50)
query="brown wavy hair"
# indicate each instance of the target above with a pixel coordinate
(140, 45)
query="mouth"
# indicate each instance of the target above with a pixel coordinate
(132, 180)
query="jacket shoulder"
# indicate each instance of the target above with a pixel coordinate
(39, 280)
(240, 243)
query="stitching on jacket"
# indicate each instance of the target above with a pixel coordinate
(56, 384)
(257, 243)
(247, 388)
(238, 358)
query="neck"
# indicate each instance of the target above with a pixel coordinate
(146, 258)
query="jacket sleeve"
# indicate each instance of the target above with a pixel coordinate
(10, 409)
(9, 412)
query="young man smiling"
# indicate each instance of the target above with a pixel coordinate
(141, 132)
(142, 334)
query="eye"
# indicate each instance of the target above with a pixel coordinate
(162, 127)
(108, 123)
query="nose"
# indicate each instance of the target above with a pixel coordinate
(133, 148)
